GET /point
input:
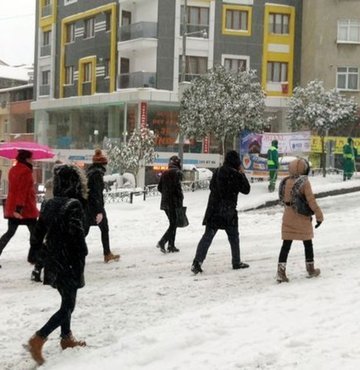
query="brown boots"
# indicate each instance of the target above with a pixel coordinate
(35, 345)
(111, 257)
(281, 273)
(312, 271)
(70, 342)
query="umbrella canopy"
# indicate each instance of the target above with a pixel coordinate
(10, 150)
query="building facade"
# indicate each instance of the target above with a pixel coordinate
(105, 67)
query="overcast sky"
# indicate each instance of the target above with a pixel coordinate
(17, 31)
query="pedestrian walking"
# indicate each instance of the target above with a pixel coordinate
(273, 164)
(60, 233)
(226, 183)
(349, 158)
(296, 194)
(171, 198)
(20, 206)
(96, 205)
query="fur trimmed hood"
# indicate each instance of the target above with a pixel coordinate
(70, 181)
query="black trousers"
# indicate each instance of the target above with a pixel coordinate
(285, 249)
(170, 233)
(62, 317)
(104, 229)
(13, 224)
(206, 240)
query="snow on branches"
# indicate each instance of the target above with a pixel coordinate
(222, 103)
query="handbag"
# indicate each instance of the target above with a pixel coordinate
(181, 218)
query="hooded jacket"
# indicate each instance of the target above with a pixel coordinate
(170, 188)
(294, 225)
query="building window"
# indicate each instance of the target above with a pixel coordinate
(277, 72)
(349, 31)
(125, 18)
(107, 21)
(45, 78)
(70, 32)
(279, 23)
(235, 65)
(237, 20)
(195, 66)
(69, 75)
(89, 28)
(87, 72)
(197, 20)
(347, 78)
(46, 38)
(107, 68)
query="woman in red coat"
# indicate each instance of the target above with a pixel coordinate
(20, 207)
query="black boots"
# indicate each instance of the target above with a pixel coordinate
(173, 249)
(161, 247)
(240, 265)
(35, 276)
(196, 267)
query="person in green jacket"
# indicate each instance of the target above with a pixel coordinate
(273, 164)
(349, 156)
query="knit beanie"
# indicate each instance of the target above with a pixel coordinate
(99, 157)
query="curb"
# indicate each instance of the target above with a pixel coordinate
(324, 194)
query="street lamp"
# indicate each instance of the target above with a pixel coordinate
(183, 69)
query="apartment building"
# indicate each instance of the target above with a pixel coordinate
(105, 67)
(331, 45)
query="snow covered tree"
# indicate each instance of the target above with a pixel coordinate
(222, 103)
(139, 151)
(320, 111)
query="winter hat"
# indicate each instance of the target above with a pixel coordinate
(349, 140)
(23, 155)
(232, 159)
(99, 157)
(274, 143)
(175, 161)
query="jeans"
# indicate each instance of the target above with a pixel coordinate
(62, 317)
(170, 233)
(285, 249)
(205, 242)
(13, 224)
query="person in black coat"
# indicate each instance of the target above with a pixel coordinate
(171, 198)
(225, 185)
(97, 215)
(60, 234)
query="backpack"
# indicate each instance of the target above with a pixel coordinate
(298, 201)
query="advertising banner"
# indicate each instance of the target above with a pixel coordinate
(289, 142)
(338, 143)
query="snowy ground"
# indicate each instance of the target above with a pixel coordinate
(148, 311)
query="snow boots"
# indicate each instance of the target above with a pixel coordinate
(70, 342)
(281, 273)
(111, 257)
(35, 345)
(162, 247)
(196, 267)
(311, 270)
(173, 249)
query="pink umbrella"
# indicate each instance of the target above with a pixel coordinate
(10, 149)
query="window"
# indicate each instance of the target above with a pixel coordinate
(107, 68)
(277, 72)
(349, 31)
(70, 32)
(197, 20)
(235, 65)
(46, 38)
(69, 75)
(89, 29)
(107, 21)
(87, 72)
(125, 18)
(195, 66)
(279, 23)
(237, 20)
(347, 78)
(45, 78)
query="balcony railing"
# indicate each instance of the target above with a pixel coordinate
(46, 10)
(44, 90)
(137, 79)
(138, 30)
(196, 30)
(45, 50)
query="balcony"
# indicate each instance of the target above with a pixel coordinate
(138, 30)
(44, 90)
(196, 30)
(45, 50)
(137, 79)
(46, 10)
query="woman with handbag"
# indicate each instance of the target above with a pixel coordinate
(171, 201)
(296, 194)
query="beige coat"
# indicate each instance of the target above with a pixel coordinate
(294, 225)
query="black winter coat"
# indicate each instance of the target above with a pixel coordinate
(95, 175)
(59, 233)
(170, 188)
(225, 185)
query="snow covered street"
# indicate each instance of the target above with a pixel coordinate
(148, 311)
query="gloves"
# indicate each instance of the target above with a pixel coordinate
(318, 223)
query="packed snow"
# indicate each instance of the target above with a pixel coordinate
(148, 311)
